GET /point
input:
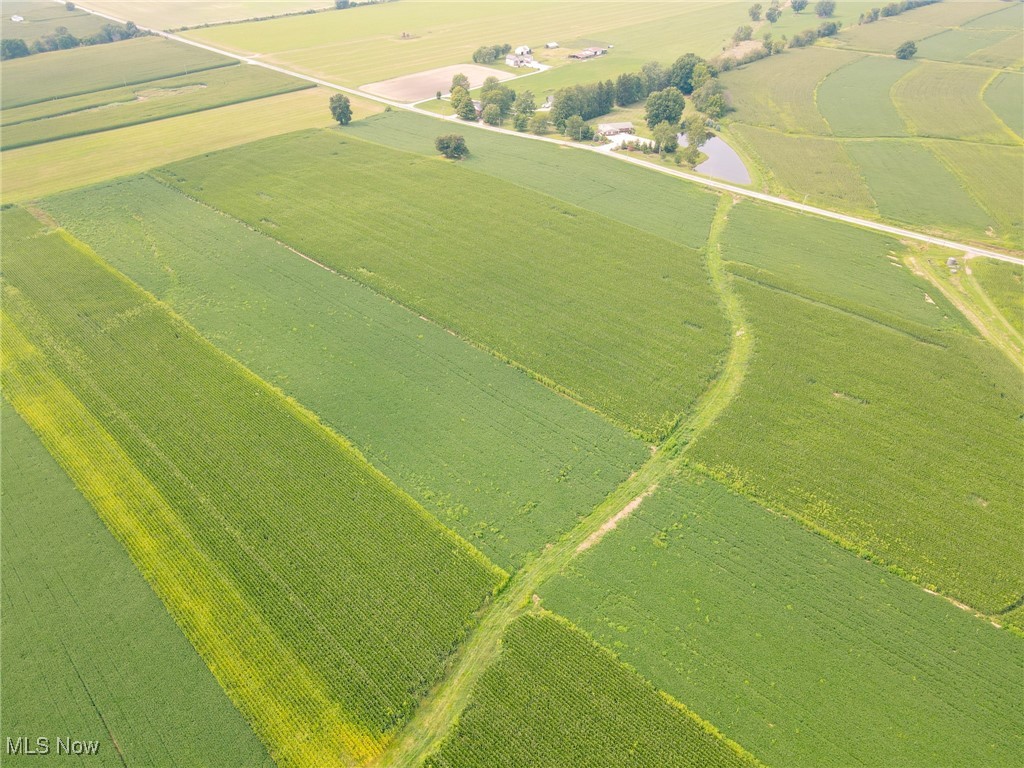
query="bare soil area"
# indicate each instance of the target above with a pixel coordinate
(423, 85)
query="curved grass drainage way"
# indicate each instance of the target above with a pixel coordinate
(442, 707)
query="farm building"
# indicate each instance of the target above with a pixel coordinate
(551, 45)
(523, 50)
(613, 129)
(588, 53)
(953, 264)
(517, 60)
(16, 17)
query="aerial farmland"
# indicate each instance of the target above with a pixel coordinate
(486, 384)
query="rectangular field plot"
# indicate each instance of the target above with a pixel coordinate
(849, 268)
(88, 648)
(1005, 97)
(654, 203)
(494, 454)
(492, 262)
(56, 166)
(944, 101)
(803, 653)
(554, 698)
(900, 462)
(154, 100)
(855, 99)
(911, 185)
(98, 68)
(809, 169)
(423, 85)
(325, 600)
(779, 92)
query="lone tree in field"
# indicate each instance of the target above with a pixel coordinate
(755, 11)
(341, 109)
(825, 8)
(772, 14)
(452, 146)
(665, 107)
(906, 50)
(798, 5)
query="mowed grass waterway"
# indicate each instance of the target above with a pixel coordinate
(495, 455)
(626, 322)
(323, 598)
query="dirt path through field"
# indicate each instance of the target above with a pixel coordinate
(612, 524)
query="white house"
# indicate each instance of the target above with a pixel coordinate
(517, 60)
(16, 18)
(523, 50)
(551, 45)
(613, 129)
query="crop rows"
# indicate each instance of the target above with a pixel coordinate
(153, 100)
(551, 287)
(802, 652)
(498, 457)
(96, 676)
(554, 698)
(324, 600)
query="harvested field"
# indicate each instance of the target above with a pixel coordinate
(423, 85)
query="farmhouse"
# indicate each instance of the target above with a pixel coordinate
(613, 129)
(517, 60)
(523, 50)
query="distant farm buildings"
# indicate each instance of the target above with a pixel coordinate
(551, 45)
(518, 60)
(588, 53)
(614, 129)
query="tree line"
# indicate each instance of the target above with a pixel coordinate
(61, 39)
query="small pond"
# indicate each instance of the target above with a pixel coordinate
(722, 163)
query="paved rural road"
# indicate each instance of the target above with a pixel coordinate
(719, 185)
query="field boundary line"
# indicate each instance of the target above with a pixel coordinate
(711, 183)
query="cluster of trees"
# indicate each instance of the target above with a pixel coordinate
(452, 145)
(893, 9)
(584, 101)
(486, 54)
(498, 103)
(61, 39)
(808, 36)
(773, 13)
(906, 50)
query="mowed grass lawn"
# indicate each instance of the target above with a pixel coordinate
(43, 169)
(154, 100)
(98, 68)
(492, 453)
(626, 322)
(554, 698)
(325, 600)
(88, 648)
(803, 653)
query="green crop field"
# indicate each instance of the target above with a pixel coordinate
(504, 285)
(807, 168)
(936, 198)
(893, 430)
(1005, 97)
(43, 169)
(654, 203)
(364, 45)
(855, 99)
(944, 101)
(919, 24)
(154, 100)
(324, 599)
(42, 18)
(499, 458)
(1007, 53)
(779, 92)
(98, 68)
(955, 45)
(858, 271)
(1004, 285)
(88, 647)
(185, 13)
(803, 653)
(553, 698)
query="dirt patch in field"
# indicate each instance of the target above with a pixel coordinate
(740, 50)
(423, 85)
(611, 524)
